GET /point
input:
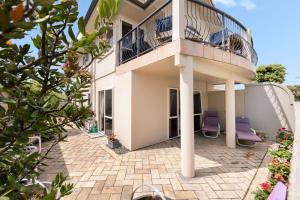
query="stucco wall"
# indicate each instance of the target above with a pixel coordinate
(216, 102)
(270, 107)
(123, 108)
(150, 107)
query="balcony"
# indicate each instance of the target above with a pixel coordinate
(203, 24)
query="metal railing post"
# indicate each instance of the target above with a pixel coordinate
(120, 52)
(138, 41)
(223, 31)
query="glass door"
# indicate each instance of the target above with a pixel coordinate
(101, 110)
(173, 113)
(105, 111)
(108, 117)
(197, 111)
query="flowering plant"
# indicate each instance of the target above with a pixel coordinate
(280, 165)
(111, 137)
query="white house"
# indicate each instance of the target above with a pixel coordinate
(166, 56)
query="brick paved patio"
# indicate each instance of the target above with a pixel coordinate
(99, 173)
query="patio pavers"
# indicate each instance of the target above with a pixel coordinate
(99, 173)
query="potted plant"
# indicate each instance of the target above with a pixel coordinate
(112, 141)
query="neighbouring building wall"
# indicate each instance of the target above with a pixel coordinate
(150, 107)
(216, 102)
(270, 107)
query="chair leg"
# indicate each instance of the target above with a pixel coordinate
(208, 136)
(244, 145)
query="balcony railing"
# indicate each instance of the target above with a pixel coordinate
(204, 24)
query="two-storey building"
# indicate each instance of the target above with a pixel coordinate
(153, 83)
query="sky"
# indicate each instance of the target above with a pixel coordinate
(275, 27)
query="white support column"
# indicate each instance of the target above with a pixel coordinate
(187, 121)
(230, 113)
(178, 12)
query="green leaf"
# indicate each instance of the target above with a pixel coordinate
(64, 38)
(71, 33)
(81, 25)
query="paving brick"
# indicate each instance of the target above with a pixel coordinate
(112, 190)
(99, 173)
(84, 193)
(185, 195)
(84, 184)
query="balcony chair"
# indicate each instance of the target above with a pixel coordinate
(233, 41)
(193, 34)
(127, 49)
(164, 29)
(245, 133)
(144, 45)
(211, 124)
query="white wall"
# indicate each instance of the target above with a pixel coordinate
(270, 107)
(150, 107)
(123, 109)
(216, 102)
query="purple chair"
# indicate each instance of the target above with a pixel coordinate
(279, 192)
(211, 124)
(245, 133)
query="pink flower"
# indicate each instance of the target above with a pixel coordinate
(265, 186)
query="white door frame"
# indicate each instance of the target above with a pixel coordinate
(104, 108)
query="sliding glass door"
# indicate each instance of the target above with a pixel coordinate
(108, 117)
(197, 111)
(174, 112)
(106, 111)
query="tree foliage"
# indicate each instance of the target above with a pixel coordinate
(42, 93)
(296, 91)
(274, 73)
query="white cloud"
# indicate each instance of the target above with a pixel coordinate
(247, 4)
(229, 3)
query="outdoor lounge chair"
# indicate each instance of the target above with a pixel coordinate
(279, 192)
(245, 133)
(210, 124)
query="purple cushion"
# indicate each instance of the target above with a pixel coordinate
(242, 124)
(247, 135)
(210, 114)
(279, 192)
(211, 121)
(209, 128)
